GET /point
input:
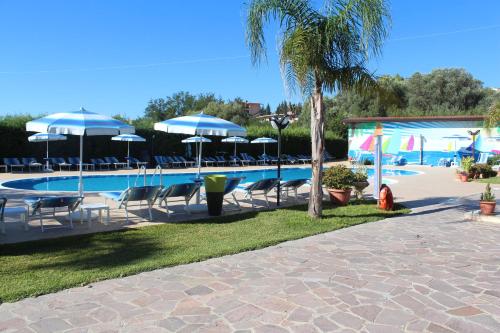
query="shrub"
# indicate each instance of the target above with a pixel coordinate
(338, 177)
(487, 195)
(367, 162)
(467, 163)
(483, 170)
(494, 159)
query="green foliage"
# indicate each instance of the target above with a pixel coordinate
(487, 195)
(233, 111)
(338, 177)
(178, 104)
(493, 118)
(447, 91)
(15, 121)
(467, 163)
(493, 160)
(483, 170)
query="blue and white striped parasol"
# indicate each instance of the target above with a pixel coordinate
(264, 140)
(196, 140)
(46, 137)
(128, 138)
(235, 140)
(81, 122)
(200, 124)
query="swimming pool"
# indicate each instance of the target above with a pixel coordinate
(100, 183)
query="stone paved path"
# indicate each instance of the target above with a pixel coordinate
(429, 272)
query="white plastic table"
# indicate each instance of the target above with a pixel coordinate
(20, 211)
(88, 208)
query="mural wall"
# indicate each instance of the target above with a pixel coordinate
(431, 141)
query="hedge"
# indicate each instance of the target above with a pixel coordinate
(295, 140)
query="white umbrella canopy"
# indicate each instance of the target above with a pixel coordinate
(128, 138)
(46, 137)
(264, 140)
(81, 122)
(235, 140)
(200, 124)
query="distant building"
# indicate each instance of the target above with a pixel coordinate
(496, 89)
(253, 108)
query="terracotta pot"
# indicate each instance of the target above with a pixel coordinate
(464, 177)
(458, 175)
(487, 207)
(339, 197)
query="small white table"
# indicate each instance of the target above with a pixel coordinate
(20, 211)
(88, 208)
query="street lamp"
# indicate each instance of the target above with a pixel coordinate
(279, 122)
(473, 134)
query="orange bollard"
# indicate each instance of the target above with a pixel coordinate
(386, 200)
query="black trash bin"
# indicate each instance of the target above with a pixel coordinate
(214, 188)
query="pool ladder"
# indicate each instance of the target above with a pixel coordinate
(144, 172)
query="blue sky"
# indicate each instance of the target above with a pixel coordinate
(113, 56)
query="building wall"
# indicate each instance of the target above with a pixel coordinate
(437, 139)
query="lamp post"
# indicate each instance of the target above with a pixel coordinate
(279, 122)
(473, 134)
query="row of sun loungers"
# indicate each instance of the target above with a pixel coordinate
(41, 206)
(30, 164)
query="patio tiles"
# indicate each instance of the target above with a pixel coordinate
(426, 272)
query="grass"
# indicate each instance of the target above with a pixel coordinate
(492, 180)
(36, 268)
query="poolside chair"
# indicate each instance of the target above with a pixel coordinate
(291, 159)
(52, 204)
(327, 157)
(185, 190)
(140, 193)
(162, 161)
(398, 161)
(12, 211)
(229, 188)
(174, 163)
(235, 161)
(264, 186)
(292, 185)
(61, 163)
(13, 163)
(221, 161)
(99, 162)
(304, 158)
(85, 166)
(187, 163)
(269, 158)
(138, 164)
(31, 162)
(114, 161)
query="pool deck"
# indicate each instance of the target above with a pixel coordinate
(433, 186)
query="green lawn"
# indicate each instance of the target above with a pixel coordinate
(35, 268)
(492, 180)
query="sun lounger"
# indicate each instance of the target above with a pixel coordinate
(76, 161)
(140, 193)
(20, 211)
(99, 162)
(187, 163)
(51, 204)
(220, 161)
(483, 158)
(264, 186)
(292, 185)
(13, 164)
(31, 163)
(327, 157)
(138, 164)
(235, 161)
(114, 161)
(61, 163)
(174, 163)
(185, 190)
(162, 161)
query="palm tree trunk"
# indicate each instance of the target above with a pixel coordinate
(318, 143)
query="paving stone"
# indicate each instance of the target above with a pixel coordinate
(368, 312)
(465, 311)
(199, 290)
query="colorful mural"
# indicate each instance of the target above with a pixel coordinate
(431, 141)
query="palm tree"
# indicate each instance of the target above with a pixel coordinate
(320, 51)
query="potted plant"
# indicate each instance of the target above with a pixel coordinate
(487, 203)
(360, 181)
(467, 163)
(339, 181)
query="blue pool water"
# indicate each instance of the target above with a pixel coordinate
(98, 183)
